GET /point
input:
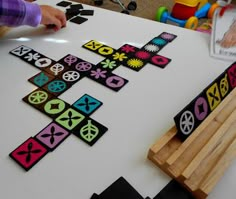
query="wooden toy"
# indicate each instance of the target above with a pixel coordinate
(199, 162)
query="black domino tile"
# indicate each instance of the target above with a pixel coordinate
(28, 153)
(54, 107)
(37, 98)
(56, 87)
(20, 51)
(173, 190)
(231, 71)
(64, 3)
(89, 131)
(121, 188)
(41, 79)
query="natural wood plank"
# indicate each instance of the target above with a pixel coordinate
(162, 141)
(198, 131)
(207, 148)
(221, 142)
(217, 172)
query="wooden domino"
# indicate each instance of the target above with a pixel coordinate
(199, 162)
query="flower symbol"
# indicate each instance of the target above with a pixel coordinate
(120, 56)
(98, 73)
(108, 64)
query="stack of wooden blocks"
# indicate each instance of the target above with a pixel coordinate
(199, 162)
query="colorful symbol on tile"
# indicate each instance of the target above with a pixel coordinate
(105, 50)
(142, 54)
(56, 86)
(167, 36)
(38, 97)
(119, 56)
(93, 45)
(29, 153)
(83, 66)
(187, 122)
(109, 64)
(159, 61)
(89, 131)
(128, 48)
(70, 60)
(43, 62)
(31, 57)
(224, 85)
(87, 104)
(232, 75)
(98, 73)
(201, 108)
(115, 81)
(71, 76)
(56, 68)
(135, 63)
(41, 79)
(70, 118)
(21, 50)
(52, 135)
(54, 106)
(151, 48)
(213, 96)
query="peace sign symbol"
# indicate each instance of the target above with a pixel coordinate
(38, 97)
(83, 66)
(56, 86)
(71, 76)
(186, 122)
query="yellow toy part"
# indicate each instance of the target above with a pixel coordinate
(192, 3)
(192, 23)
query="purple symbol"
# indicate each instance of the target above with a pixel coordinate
(98, 73)
(83, 66)
(200, 108)
(115, 81)
(52, 135)
(169, 37)
(70, 59)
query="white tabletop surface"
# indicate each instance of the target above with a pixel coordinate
(136, 116)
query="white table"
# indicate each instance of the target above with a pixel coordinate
(136, 116)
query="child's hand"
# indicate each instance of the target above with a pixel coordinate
(52, 16)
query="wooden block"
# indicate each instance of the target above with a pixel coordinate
(180, 159)
(209, 147)
(217, 172)
(198, 162)
(194, 135)
(162, 141)
(210, 154)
